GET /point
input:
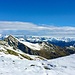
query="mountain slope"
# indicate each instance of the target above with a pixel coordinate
(43, 49)
(12, 65)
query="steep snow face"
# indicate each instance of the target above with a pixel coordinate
(31, 45)
(12, 65)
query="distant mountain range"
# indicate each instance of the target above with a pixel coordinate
(59, 41)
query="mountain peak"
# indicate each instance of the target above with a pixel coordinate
(44, 49)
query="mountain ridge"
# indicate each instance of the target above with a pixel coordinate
(46, 49)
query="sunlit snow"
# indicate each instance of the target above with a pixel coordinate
(12, 65)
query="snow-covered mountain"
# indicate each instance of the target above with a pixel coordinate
(12, 65)
(14, 61)
(59, 41)
(48, 38)
(40, 38)
(44, 49)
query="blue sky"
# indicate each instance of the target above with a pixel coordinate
(38, 17)
(56, 12)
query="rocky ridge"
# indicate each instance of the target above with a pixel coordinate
(44, 49)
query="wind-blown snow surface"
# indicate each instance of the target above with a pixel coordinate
(12, 65)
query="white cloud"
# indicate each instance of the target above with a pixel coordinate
(42, 30)
(6, 25)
